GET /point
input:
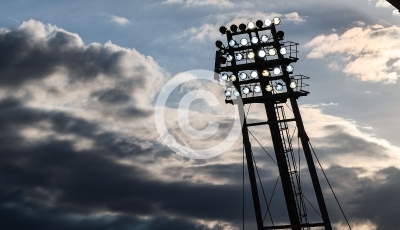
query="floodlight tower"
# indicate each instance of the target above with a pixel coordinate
(255, 65)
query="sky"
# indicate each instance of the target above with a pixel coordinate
(79, 84)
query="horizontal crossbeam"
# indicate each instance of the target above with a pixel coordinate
(295, 226)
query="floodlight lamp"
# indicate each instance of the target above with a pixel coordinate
(243, 41)
(267, 22)
(253, 74)
(243, 75)
(224, 76)
(245, 90)
(280, 34)
(239, 56)
(257, 89)
(283, 51)
(254, 40)
(277, 70)
(268, 88)
(265, 73)
(259, 24)
(272, 51)
(232, 78)
(251, 25)
(229, 57)
(289, 68)
(227, 93)
(250, 54)
(218, 44)
(222, 29)
(232, 43)
(261, 53)
(236, 93)
(277, 21)
(292, 84)
(242, 27)
(234, 28)
(279, 87)
(223, 60)
(264, 38)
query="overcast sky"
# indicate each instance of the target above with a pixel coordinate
(79, 80)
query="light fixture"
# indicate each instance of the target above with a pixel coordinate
(243, 75)
(259, 24)
(222, 29)
(277, 70)
(236, 93)
(227, 93)
(218, 44)
(251, 25)
(267, 22)
(242, 27)
(283, 50)
(279, 87)
(264, 38)
(268, 88)
(293, 84)
(229, 57)
(253, 74)
(243, 41)
(232, 43)
(223, 60)
(280, 34)
(224, 76)
(277, 21)
(261, 53)
(289, 68)
(265, 73)
(245, 90)
(233, 78)
(239, 56)
(272, 51)
(257, 89)
(254, 40)
(234, 28)
(250, 54)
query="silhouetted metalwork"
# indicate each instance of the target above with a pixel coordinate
(257, 69)
(395, 3)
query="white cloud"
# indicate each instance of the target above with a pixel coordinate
(383, 3)
(373, 46)
(120, 20)
(221, 3)
(294, 17)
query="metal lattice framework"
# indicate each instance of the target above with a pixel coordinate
(255, 66)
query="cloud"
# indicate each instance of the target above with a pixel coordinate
(81, 151)
(294, 17)
(222, 3)
(120, 20)
(209, 31)
(374, 46)
(382, 3)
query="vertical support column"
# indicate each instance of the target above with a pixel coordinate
(250, 167)
(282, 164)
(310, 163)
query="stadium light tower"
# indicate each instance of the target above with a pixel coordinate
(255, 65)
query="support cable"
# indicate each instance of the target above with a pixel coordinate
(272, 195)
(262, 188)
(243, 191)
(263, 148)
(277, 165)
(337, 201)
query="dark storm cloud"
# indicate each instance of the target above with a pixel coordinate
(24, 57)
